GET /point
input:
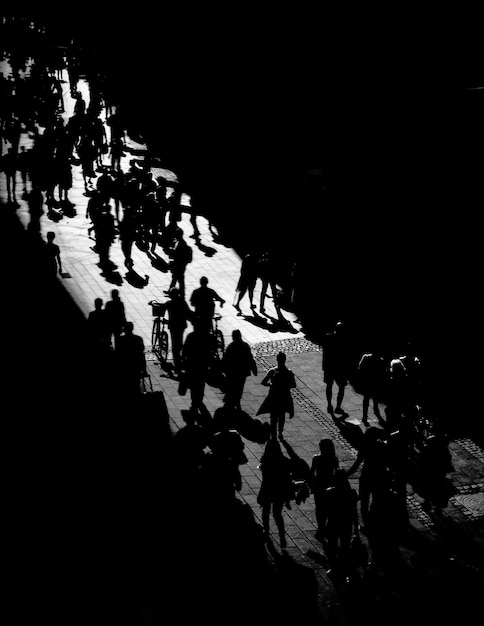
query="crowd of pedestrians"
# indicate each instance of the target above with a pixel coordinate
(134, 207)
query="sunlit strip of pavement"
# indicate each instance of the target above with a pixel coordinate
(84, 280)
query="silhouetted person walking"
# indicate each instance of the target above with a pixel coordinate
(342, 523)
(181, 255)
(247, 280)
(237, 363)
(99, 330)
(203, 302)
(35, 200)
(371, 458)
(275, 489)
(105, 231)
(116, 315)
(54, 262)
(179, 314)
(266, 271)
(9, 166)
(335, 365)
(323, 468)
(130, 354)
(197, 355)
(371, 381)
(278, 402)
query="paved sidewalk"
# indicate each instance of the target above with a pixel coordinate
(457, 535)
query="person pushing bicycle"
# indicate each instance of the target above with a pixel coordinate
(203, 302)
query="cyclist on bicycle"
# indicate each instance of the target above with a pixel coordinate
(203, 302)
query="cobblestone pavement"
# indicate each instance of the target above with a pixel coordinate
(457, 534)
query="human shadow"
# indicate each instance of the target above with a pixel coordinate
(135, 280)
(111, 275)
(300, 468)
(228, 417)
(269, 323)
(353, 433)
(207, 250)
(261, 322)
(158, 262)
(281, 323)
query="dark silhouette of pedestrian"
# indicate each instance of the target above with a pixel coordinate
(238, 363)
(372, 459)
(35, 201)
(105, 232)
(131, 360)
(179, 314)
(160, 193)
(23, 166)
(203, 301)
(399, 405)
(9, 167)
(371, 382)
(181, 255)
(247, 280)
(341, 524)
(98, 328)
(116, 315)
(87, 154)
(323, 468)
(267, 274)
(197, 356)
(335, 365)
(117, 152)
(53, 257)
(127, 229)
(276, 488)
(278, 401)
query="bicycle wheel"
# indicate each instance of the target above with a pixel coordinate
(220, 342)
(163, 344)
(155, 334)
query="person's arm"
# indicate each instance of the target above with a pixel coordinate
(356, 464)
(218, 298)
(266, 381)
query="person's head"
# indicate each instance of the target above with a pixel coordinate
(98, 304)
(174, 293)
(204, 281)
(236, 335)
(129, 328)
(115, 294)
(281, 358)
(50, 236)
(326, 447)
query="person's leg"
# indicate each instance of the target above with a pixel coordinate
(339, 399)
(251, 297)
(281, 422)
(266, 510)
(279, 519)
(329, 395)
(263, 293)
(273, 418)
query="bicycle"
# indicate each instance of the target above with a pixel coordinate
(159, 334)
